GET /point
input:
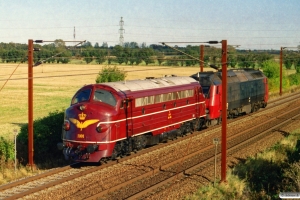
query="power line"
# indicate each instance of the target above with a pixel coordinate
(9, 77)
(80, 74)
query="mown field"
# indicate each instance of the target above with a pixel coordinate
(53, 87)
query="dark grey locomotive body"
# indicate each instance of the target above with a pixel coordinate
(247, 91)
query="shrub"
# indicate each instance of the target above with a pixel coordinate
(294, 79)
(110, 74)
(275, 82)
(47, 133)
(271, 69)
(7, 149)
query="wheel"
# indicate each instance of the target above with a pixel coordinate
(264, 105)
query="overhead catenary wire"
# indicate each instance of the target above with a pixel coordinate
(55, 76)
(9, 77)
(168, 53)
(41, 41)
(175, 59)
(38, 63)
(212, 66)
(225, 31)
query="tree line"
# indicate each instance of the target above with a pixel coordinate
(133, 54)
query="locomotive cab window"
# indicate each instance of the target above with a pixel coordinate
(104, 96)
(206, 90)
(83, 95)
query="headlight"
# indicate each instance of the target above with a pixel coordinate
(82, 107)
(102, 127)
(98, 129)
(66, 125)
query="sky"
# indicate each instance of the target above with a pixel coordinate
(252, 24)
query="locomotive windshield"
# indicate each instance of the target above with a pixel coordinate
(206, 90)
(81, 96)
(105, 97)
(205, 82)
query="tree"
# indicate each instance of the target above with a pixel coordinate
(271, 69)
(181, 61)
(246, 60)
(110, 74)
(96, 45)
(118, 51)
(100, 56)
(62, 53)
(160, 58)
(146, 55)
(206, 58)
(193, 51)
(231, 49)
(132, 45)
(109, 57)
(12, 54)
(127, 54)
(232, 60)
(104, 45)
(59, 43)
(63, 57)
(288, 61)
(131, 56)
(87, 44)
(297, 64)
(87, 57)
(172, 61)
(143, 45)
(260, 58)
(291, 58)
(137, 57)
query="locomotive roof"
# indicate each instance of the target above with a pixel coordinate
(233, 75)
(136, 85)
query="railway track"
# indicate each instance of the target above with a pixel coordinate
(196, 161)
(127, 177)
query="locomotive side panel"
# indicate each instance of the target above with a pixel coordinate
(166, 109)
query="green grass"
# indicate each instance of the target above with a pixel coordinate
(8, 172)
(262, 176)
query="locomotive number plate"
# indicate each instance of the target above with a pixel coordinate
(80, 136)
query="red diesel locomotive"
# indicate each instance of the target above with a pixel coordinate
(247, 91)
(112, 119)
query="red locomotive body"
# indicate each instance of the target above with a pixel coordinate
(112, 119)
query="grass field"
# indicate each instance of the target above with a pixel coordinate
(53, 87)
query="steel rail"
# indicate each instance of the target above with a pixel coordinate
(209, 148)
